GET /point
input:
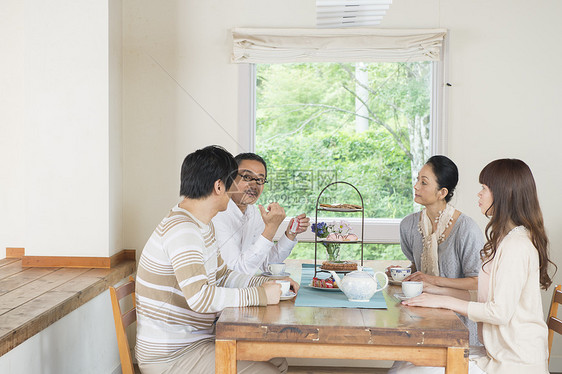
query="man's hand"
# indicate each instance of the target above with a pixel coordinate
(304, 223)
(273, 292)
(294, 285)
(272, 217)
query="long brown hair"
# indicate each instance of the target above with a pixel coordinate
(514, 200)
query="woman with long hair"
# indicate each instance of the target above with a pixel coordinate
(515, 263)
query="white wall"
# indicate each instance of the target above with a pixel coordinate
(503, 59)
(82, 342)
(180, 92)
(12, 219)
(61, 190)
(66, 127)
(115, 126)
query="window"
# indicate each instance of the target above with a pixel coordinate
(371, 124)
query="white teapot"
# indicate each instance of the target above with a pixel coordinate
(359, 285)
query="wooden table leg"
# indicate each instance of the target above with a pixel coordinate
(225, 356)
(457, 361)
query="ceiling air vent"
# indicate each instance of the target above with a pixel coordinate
(350, 13)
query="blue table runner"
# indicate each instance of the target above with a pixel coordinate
(309, 296)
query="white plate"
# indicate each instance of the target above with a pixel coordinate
(337, 271)
(401, 296)
(282, 275)
(393, 282)
(288, 296)
(340, 209)
(323, 288)
(340, 241)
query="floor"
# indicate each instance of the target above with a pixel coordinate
(334, 370)
(318, 370)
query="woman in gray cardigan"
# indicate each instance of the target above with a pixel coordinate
(442, 243)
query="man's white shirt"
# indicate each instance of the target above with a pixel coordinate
(241, 244)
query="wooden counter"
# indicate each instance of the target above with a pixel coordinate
(31, 299)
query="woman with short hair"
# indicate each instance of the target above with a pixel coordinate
(442, 243)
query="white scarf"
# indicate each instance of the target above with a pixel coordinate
(431, 240)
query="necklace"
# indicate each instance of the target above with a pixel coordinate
(432, 238)
(441, 229)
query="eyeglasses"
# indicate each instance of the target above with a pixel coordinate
(249, 178)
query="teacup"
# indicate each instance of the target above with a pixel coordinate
(276, 268)
(285, 286)
(411, 289)
(398, 274)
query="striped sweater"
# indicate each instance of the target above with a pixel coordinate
(182, 285)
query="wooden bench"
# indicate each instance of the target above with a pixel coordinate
(31, 299)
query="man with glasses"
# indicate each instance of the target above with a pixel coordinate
(182, 284)
(245, 231)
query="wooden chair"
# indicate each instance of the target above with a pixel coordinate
(122, 321)
(553, 322)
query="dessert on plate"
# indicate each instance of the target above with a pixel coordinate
(339, 265)
(324, 283)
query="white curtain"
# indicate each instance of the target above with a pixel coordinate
(336, 45)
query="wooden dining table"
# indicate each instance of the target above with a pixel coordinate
(423, 336)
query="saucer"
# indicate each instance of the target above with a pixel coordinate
(324, 288)
(289, 296)
(401, 296)
(281, 275)
(394, 283)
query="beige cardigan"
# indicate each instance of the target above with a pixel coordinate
(514, 332)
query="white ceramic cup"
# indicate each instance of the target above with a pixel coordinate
(398, 274)
(411, 289)
(276, 268)
(285, 286)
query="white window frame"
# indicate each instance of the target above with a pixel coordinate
(377, 230)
